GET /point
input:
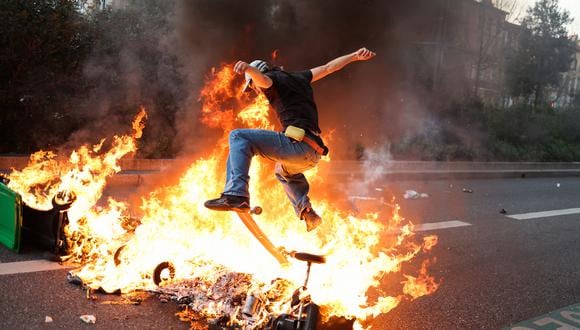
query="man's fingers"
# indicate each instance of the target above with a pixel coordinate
(364, 54)
(240, 67)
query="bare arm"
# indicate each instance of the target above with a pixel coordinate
(338, 63)
(258, 78)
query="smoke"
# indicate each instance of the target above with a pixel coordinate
(170, 46)
(132, 64)
(356, 102)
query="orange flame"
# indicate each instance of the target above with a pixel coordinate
(421, 285)
(85, 174)
(138, 124)
(175, 227)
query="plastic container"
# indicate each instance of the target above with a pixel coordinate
(10, 218)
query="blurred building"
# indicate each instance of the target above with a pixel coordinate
(462, 48)
(569, 92)
(103, 4)
(118, 4)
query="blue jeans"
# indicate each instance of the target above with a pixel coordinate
(291, 157)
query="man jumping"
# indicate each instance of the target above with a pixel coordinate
(296, 149)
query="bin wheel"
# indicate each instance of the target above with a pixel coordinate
(158, 275)
(117, 255)
(63, 200)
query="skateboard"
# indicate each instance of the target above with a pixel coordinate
(248, 220)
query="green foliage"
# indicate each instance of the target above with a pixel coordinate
(42, 47)
(544, 51)
(66, 69)
(513, 134)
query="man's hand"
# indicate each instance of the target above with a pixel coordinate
(258, 78)
(363, 54)
(241, 67)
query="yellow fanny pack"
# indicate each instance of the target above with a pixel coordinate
(299, 134)
(295, 133)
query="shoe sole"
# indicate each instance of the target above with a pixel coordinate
(228, 208)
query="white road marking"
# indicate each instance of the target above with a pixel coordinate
(545, 214)
(29, 267)
(433, 226)
(440, 225)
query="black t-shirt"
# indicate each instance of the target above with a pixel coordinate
(292, 97)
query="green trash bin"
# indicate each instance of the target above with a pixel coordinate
(10, 218)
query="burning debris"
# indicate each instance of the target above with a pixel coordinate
(221, 301)
(238, 301)
(207, 260)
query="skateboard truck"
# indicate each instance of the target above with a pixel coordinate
(257, 210)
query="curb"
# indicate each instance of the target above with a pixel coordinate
(137, 171)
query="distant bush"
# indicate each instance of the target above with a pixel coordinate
(472, 131)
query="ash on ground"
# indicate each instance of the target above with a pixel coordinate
(220, 302)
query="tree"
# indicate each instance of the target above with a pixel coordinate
(42, 48)
(544, 52)
(490, 33)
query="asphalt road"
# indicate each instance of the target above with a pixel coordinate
(496, 271)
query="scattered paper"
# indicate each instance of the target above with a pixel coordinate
(412, 194)
(89, 318)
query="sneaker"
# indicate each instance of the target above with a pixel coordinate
(312, 219)
(229, 203)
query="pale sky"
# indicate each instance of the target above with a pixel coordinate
(573, 6)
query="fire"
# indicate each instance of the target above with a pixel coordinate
(119, 252)
(421, 285)
(83, 174)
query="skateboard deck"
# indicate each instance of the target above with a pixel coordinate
(277, 253)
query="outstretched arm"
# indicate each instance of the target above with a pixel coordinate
(322, 71)
(258, 78)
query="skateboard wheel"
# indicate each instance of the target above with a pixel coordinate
(257, 210)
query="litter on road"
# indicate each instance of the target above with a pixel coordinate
(91, 319)
(48, 319)
(412, 194)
